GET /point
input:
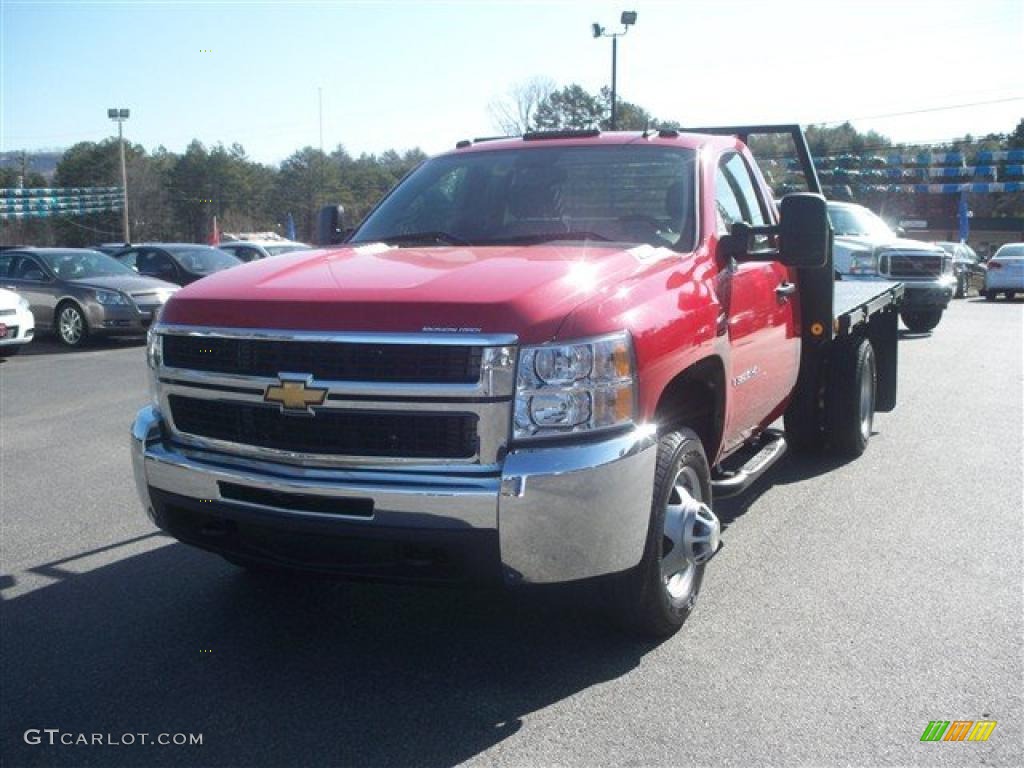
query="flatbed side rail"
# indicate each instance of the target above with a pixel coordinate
(854, 307)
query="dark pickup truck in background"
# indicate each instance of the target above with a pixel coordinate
(538, 360)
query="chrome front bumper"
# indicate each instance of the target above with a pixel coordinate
(935, 293)
(560, 513)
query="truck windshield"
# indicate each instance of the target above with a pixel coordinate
(854, 220)
(602, 194)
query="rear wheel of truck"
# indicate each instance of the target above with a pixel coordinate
(922, 320)
(990, 295)
(655, 598)
(850, 398)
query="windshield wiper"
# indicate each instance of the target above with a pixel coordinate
(424, 237)
(547, 237)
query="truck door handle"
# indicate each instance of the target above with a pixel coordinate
(784, 290)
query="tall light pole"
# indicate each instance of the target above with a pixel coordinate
(119, 116)
(628, 19)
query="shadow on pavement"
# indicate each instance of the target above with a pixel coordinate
(287, 671)
(793, 468)
(48, 345)
(906, 335)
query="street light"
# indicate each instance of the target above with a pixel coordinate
(627, 20)
(119, 116)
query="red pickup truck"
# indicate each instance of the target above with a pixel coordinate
(538, 360)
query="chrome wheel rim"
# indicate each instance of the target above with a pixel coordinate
(677, 573)
(70, 325)
(867, 397)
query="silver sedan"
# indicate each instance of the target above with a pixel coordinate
(78, 293)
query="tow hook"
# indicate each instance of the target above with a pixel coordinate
(702, 533)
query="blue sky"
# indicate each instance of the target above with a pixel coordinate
(405, 74)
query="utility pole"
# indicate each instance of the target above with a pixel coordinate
(320, 175)
(628, 19)
(119, 116)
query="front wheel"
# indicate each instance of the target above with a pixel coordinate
(72, 328)
(655, 598)
(921, 321)
(961, 287)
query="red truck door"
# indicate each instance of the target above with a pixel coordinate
(758, 299)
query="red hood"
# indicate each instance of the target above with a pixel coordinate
(527, 290)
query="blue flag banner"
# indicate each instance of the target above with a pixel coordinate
(290, 228)
(40, 202)
(963, 217)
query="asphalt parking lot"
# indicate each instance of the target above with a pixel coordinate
(852, 604)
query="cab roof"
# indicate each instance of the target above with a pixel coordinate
(594, 137)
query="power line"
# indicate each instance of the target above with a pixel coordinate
(923, 111)
(90, 229)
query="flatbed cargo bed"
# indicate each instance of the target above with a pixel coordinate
(854, 301)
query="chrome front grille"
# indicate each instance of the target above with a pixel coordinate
(384, 399)
(336, 361)
(911, 264)
(331, 431)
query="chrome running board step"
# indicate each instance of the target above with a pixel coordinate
(734, 482)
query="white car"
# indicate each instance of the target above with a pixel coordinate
(17, 326)
(253, 250)
(1005, 273)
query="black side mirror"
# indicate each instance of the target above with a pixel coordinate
(804, 231)
(330, 225)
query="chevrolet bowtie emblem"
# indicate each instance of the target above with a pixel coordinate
(295, 395)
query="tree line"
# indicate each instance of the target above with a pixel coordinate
(174, 197)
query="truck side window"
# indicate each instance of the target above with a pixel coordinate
(737, 199)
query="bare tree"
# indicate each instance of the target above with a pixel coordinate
(514, 114)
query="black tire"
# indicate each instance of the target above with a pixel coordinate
(850, 399)
(1008, 295)
(921, 321)
(641, 600)
(70, 325)
(990, 295)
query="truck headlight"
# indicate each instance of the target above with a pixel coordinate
(863, 263)
(154, 359)
(154, 349)
(577, 387)
(108, 298)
